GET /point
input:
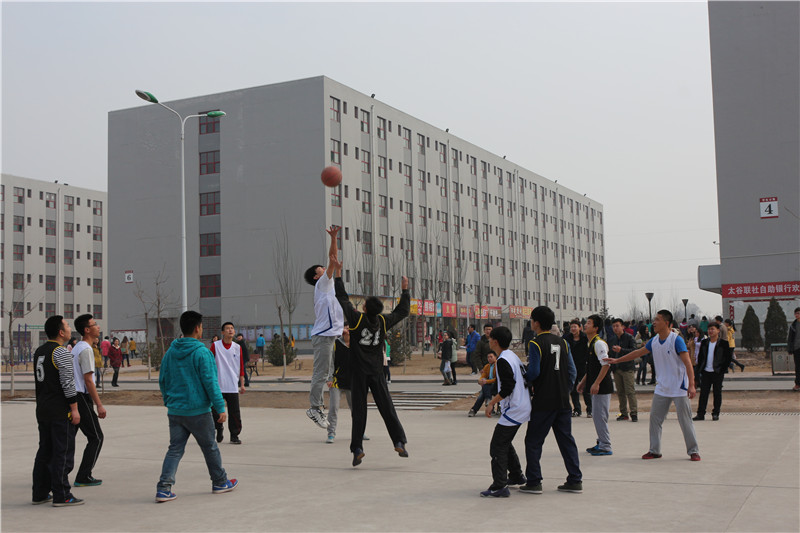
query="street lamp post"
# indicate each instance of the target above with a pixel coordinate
(649, 296)
(685, 315)
(149, 97)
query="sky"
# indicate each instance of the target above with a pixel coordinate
(611, 99)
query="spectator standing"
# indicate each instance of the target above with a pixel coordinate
(104, 346)
(115, 359)
(261, 342)
(84, 366)
(551, 373)
(230, 373)
(447, 348)
(515, 406)
(123, 347)
(132, 347)
(472, 343)
(98, 362)
(704, 325)
(675, 384)
(712, 363)
(579, 348)
(57, 416)
(245, 356)
(731, 336)
(482, 348)
(793, 344)
(189, 387)
(598, 381)
(622, 344)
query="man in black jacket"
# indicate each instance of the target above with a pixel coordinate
(579, 348)
(622, 343)
(367, 338)
(712, 362)
(482, 349)
(793, 341)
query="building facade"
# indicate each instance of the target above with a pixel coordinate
(479, 236)
(755, 67)
(54, 256)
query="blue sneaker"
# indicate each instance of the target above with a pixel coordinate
(47, 499)
(601, 452)
(330, 439)
(496, 493)
(593, 448)
(165, 496)
(225, 487)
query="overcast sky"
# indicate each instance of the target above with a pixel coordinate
(611, 99)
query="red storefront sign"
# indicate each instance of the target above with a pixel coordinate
(449, 309)
(761, 290)
(428, 308)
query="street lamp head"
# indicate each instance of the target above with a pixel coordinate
(213, 114)
(685, 301)
(649, 296)
(146, 96)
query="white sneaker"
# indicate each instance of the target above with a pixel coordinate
(318, 417)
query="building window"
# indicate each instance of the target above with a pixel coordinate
(19, 224)
(364, 121)
(443, 183)
(50, 227)
(209, 162)
(19, 195)
(407, 138)
(381, 167)
(210, 286)
(442, 153)
(381, 128)
(209, 124)
(50, 200)
(210, 244)
(421, 143)
(49, 283)
(407, 174)
(19, 281)
(473, 166)
(68, 257)
(366, 202)
(98, 311)
(409, 213)
(19, 252)
(97, 260)
(421, 180)
(50, 255)
(381, 205)
(68, 283)
(423, 219)
(366, 242)
(209, 203)
(409, 250)
(97, 208)
(69, 203)
(384, 245)
(69, 230)
(97, 233)
(336, 148)
(336, 107)
(454, 155)
(97, 286)
(68, 311)
(366, 162)
(336, 196)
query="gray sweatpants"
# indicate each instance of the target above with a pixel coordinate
(323, 361)
(333, 408)
(601, 403)
(658, 412)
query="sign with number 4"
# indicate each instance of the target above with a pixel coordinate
(769, 207)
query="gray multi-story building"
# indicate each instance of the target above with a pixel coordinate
(54, 255)
(755, 67)
(476, 234)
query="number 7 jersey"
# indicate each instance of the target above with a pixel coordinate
(552, 387)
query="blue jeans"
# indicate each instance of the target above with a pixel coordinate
(202, 428)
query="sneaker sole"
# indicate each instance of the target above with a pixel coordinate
(64, 504)
(76, 484)
(323, 423)
(163, 500)
(401, 452)
(575, 491)
(40, 502)
(215, 490)
(528, 491)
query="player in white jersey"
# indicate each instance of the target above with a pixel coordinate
(230, 373)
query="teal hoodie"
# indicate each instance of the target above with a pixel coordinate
(188, 379)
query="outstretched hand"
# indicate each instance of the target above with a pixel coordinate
(404, 283)
(333, 231)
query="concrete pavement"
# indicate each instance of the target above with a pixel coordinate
(292, 481)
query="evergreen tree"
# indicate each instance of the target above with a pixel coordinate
(751, 330)
(775, 326)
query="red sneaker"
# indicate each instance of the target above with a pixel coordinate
(694, 457)
(651, 455)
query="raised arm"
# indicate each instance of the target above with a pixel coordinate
(350, 314)
(333, 251)
(630, 357)
(403, 307)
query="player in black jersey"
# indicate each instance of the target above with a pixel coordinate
(367, 336)
(57, 415)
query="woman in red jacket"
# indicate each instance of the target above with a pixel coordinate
(115, 357)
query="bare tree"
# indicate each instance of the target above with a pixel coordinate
(163, 303)
(286, 268)
(20, 292)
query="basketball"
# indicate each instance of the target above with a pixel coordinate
(331, 176)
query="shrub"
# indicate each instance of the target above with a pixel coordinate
(751, 330)
(775, 326)
(275, 352)
(400, 349)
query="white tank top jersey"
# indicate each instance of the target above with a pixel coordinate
(229, 366)
(80, 384)
(671, 380)
(329, 317)
(516, 407)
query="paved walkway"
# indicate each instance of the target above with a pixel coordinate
(292, 481)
